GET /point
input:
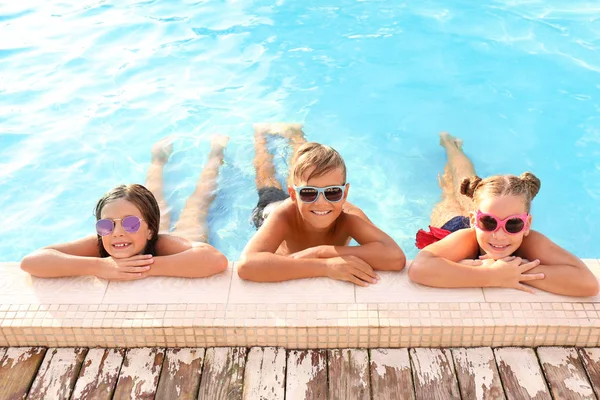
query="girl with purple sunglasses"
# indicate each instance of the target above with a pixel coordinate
(129, 243)
(480, 236)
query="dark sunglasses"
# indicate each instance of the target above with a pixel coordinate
(310, 194)
(490, 223)
(130, 224)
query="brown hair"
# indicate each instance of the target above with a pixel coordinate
(318, 156)
(144, 200)
(526, 185)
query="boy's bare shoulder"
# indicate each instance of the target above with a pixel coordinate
(351, 209)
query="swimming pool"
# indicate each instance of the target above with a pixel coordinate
(87, 88)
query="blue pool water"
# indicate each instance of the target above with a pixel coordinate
(86, 89)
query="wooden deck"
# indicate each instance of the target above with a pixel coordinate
(276, 373)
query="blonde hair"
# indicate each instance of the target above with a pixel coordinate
(321, 157)
(526, 185)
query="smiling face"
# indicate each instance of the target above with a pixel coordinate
(500, 244)
(321, 214)
(120, 243)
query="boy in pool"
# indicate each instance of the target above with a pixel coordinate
(486, 236)
(305, 233)
(128, 245)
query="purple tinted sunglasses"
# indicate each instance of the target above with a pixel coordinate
(130, 224)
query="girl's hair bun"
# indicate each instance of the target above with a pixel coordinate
(532, 182)
(469, 185)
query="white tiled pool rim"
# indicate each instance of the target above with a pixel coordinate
(224, 310)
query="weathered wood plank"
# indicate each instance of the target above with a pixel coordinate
(521, 374)
(58, 373)
(223, 374)
(477, 373)
(264, 375)
(348, 374)
(391, 377)
(565, 373)
(306, 375)
(433, 374)
(139, 374)
(99, 373)
(180, 377)
(591, 362)
(18, 368)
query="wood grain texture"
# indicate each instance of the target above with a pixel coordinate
(433, 374)
(139, 374)
(521, 374)
(348, 374)
(306, 375)
(565, 373)
(391, 376)
(58, 373)
(99, 373)
(18, 368)
(264, 376)
(477, 373)
(223, 373)
(180, 376)
(590, 358)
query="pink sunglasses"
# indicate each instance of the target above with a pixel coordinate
(511, 225)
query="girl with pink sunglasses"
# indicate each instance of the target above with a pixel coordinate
(131, 240)
(480, 236)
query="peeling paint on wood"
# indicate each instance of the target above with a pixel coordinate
(306, 375)
(565, 373)
(223, 374)
(99, 374)
(180, 376)
(391, 377)
(477, 373)
(264, 375)
(349, 374)
(58, 373)
(18, 368)
(591, 361)
(139, 374)
(521, 374)
(433, 373)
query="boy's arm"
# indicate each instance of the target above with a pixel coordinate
(376, 248)
(564, 273)
(259, 263)
(176, 256)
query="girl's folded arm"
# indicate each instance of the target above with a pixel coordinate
(438, 264)
(564, 273)
(76, 258)
(176, 256)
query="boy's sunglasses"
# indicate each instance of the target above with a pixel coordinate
(130, 224)
(512, 225)
(310, 194)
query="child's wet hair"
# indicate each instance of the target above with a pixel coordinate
(321, 157)
(144, 200)
(526, 185)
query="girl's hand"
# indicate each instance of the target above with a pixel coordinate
(511, 271)
(125, 269)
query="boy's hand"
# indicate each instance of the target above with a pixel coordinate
(511, 271)
(351, 269)
(125, 269)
